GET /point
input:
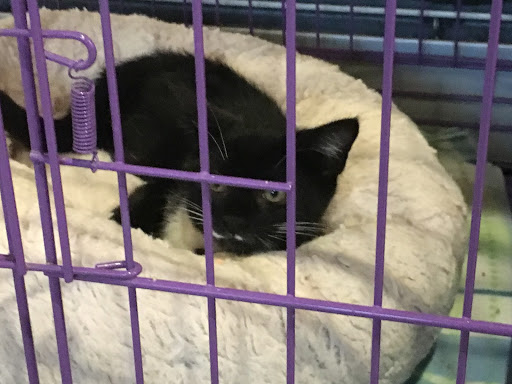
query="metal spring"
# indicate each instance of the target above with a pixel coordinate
(83, 112)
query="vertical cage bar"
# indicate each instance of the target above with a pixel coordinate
(153, 8)
(16, 249)
(197, 20)
(116, 127)
(184, 8)
(351, 26)
(283, 18)
(12, 224)
(290, 178)
(387, 90)
(137, 347)
(478, 190)
(60, 331)
(421, 31)
(217, 13)
(51, 140)
(27, 75)
(26, 329)
(317, 23)
(117, 132)
(251, 18)
(458, 10)
(24, 53)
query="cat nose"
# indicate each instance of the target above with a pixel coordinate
(233, 223)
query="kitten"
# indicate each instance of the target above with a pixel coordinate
(247, 139)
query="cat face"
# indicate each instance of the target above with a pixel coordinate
(247, 221)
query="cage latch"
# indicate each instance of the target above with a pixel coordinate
(113, 267)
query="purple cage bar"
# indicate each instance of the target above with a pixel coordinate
(197, 20)
(125, 273)
(478, 191)
(387, 89)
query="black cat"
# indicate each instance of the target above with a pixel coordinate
(247, 139)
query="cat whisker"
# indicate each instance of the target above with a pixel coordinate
(310, 223)
(302, 224)
(195, 208)
(280, 161)
(190, 203)
(276, 237)
(311, 235)
(302, 228)
(175, 196)
(283, 235)
(310, 230)
(179, 198)
(218, 146)
(299, 228)
(307, 234)
(221, 135)
(309, 226)
(302, 232)
(213, 138)
(266, 244)
(193, 213)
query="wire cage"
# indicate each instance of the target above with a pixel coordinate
(467, 36)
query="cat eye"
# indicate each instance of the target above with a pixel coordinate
(274, 196)
(218, 188)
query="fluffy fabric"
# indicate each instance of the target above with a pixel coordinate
(424, 242)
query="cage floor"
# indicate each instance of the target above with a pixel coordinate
(488, 361)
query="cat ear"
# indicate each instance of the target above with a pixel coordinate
(325, 149)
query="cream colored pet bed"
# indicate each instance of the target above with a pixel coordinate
(424, 249)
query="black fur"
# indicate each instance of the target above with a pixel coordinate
(247, 139)
(148, 204)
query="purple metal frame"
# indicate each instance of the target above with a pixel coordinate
(125, 272)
